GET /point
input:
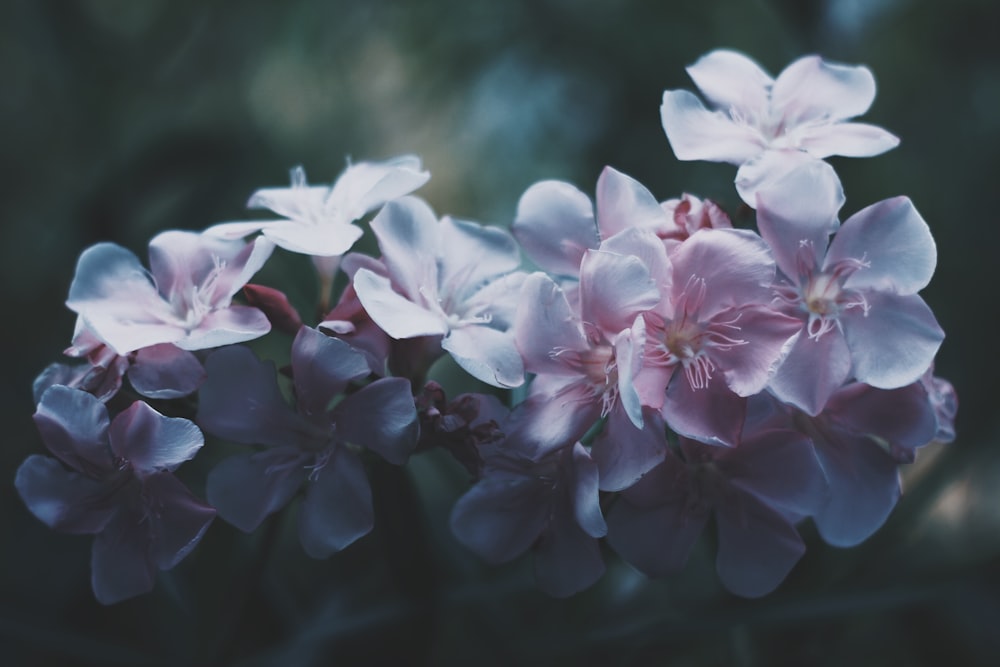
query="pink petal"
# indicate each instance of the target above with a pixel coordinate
(544, 322)
(614, 289)
(555, 226)
(625, 203)
(748, 368)
(813, 369)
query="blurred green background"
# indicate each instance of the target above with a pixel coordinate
(123, 118)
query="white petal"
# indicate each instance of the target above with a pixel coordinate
(730, 79)
(397, 316)
(695, 133)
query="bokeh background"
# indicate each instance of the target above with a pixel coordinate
(119, 119)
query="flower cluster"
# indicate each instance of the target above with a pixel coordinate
(673, 368)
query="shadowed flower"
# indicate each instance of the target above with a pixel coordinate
(313, 447)
(114, 480)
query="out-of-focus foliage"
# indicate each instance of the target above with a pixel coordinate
(120, 119)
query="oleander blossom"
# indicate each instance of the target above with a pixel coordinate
(770, 126)
(855, 296)
(185, 299)
(113, 479)
(313, 447)
(448, 278)
(317, 219)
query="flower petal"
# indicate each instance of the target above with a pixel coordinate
(471, 255)
(614, 289)
(121, 559)
(322, 366)
(240, 401)
(894, 342)
(812, 370)
(567, 559)
(152, 442)
(501, 516)
(544, 322)
(847, 139)
(165, 371)
(772, 166)
(730, 79)
(337, 509)
(62, 499)
(811, 88)
(318, 240)
(367, 185)
(894, 242)
(555, 226)
(382, 417)
(409, 236)
(74, 426)
(695, 133)
(486, 354)
(179, 522)
(247, 488)
(625, 203)
(394, 313)
(624, 453)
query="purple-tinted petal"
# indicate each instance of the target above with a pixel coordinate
(501, 517)
(730, 79)
(165, 371)
(409, 236)
(894, 342)
(712, 414)
(382, 417)
(812, 89)
(647, 246)
(864, 487)
(62, 499)
(892, 241)
(337, 509)
(757, 547)
(812, 370)
(486, 354)
(74, 427)
(543, 323)
(240, 401)
(624, 453)
(152, 442)
(695, 133)
(847, 139)
(735, 264)
(179, 519)
(653, 526)
(800, 210)
(367, 185)
(566, 560)
(472, 254)
(543, 422)
(247, 488)
(121, 559)
(395, 314)
(625, 203)
(780, 468)
(236, 324)
(747, 368)
(902, 417)
(555, 226)
(322, 367)
(585, 498)
(614, 289)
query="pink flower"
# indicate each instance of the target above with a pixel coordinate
(185, 299)
(855, 296)
(712, 341)
(770, 126)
